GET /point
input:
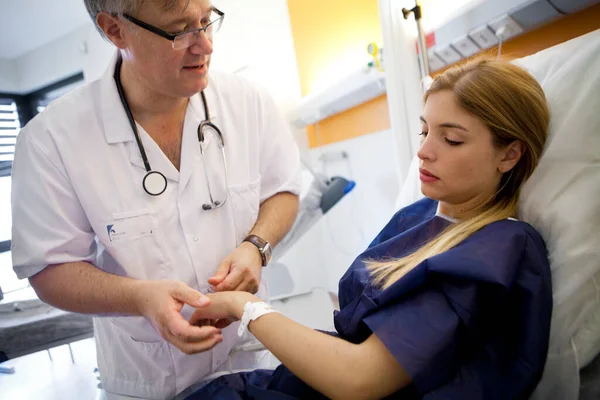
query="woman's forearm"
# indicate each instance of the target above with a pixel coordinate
(333, 366)
(328, 364)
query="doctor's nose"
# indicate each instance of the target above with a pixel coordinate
(202, 44)
(426, 150)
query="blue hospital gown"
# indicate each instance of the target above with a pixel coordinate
(471, 323)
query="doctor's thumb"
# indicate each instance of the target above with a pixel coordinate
(220, 274)
(190, 296)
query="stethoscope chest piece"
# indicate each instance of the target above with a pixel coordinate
(154, 183)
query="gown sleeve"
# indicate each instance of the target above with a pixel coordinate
(479, 327)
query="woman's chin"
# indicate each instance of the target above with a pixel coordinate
(429, 192)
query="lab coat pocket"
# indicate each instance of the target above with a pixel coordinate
(245, 202)
(133, 240)
(132, 358)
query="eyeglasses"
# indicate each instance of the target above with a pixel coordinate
(185, 39)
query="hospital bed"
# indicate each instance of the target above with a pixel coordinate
(562, 201)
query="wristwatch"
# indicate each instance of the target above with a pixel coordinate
(264, 248)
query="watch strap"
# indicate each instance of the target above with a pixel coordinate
(263, 246)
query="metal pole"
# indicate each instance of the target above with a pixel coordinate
(424, 60)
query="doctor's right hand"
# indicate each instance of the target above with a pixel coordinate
(161, 301)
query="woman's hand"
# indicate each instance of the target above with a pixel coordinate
(224, 308)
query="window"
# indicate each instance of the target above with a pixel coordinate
(9, 129)
(47, 96)
(15, 111)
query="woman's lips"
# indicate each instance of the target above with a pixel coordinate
(426, 176)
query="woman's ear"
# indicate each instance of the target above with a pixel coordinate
(512, 154)
(112, 28)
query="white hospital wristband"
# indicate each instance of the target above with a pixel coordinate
(253, 311)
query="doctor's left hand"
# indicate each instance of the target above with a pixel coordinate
(239, 271)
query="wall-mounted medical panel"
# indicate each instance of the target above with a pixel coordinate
(571, 6)
(476, 29)
(535, 14)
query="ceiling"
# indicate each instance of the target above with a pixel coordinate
(28, 24)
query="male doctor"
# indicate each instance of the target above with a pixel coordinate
(139, 192)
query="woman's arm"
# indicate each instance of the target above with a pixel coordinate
(333, 366)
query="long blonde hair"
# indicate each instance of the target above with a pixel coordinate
(512, 105)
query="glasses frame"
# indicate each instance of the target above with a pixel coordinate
(171, 37)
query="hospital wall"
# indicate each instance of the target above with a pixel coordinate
(8, 77)
(330, 43)
(351, 225)
(59, 59)
(331, 39)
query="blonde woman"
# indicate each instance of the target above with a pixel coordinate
(453, 298)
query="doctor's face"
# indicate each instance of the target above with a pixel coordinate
(458, 160)
(177, 73)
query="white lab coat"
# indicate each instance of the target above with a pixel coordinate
(77, 196)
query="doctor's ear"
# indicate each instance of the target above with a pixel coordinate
(511, 156)
(113, 28)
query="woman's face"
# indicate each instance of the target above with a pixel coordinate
(459, 164)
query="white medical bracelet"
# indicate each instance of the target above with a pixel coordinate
(253, 311)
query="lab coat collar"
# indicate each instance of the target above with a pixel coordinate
(114, 119)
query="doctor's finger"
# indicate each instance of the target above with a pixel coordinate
(194, 334)
(249, 284)
(186, 294)
(180, 328)
(205, 345)
(233, 280)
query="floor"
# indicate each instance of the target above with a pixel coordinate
(53, 375)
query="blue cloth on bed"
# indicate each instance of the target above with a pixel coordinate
(470, 323)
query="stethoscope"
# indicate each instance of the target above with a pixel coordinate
(154, 182)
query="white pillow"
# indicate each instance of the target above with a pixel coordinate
(562, 201)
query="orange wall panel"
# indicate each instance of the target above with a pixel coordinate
(369, 117)
(331, 38)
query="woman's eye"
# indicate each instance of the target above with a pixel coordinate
(452, 142)
(423, 134)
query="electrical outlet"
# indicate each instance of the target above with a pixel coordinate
(448, 54)
(465, 46)
(435, 62)
(484, 37)
(512, 28)
(333, 156)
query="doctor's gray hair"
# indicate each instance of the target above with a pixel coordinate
(120, 7)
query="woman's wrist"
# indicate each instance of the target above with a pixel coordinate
(238, 301)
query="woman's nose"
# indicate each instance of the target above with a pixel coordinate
(426, 150)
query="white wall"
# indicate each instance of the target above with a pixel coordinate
(98, 53)
(8, 77)
(256, 42)
(50, 63)
(348, 228)
(57, 60)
